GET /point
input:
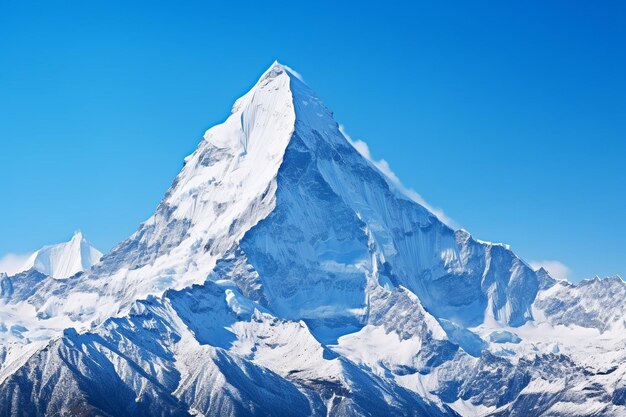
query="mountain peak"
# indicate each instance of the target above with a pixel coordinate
(77, 236)
(63, 260)
(283, 269)
(277, 68)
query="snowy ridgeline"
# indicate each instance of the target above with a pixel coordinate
(284, 274)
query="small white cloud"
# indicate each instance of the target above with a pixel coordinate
(557, 269)
(383, 166)
(12, 263)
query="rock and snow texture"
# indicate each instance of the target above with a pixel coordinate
(63, 260)
(284, 274)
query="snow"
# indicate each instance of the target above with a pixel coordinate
(63, 260)
(284, 271)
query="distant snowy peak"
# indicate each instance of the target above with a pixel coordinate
(63, 260)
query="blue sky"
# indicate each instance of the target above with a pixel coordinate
(511, 116)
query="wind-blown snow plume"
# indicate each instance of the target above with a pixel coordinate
(384, 167)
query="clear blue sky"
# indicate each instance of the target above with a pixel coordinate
(511, 116)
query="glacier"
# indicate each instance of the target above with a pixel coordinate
(285, 274)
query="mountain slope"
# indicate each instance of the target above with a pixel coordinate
(281, 264)
(164, 359)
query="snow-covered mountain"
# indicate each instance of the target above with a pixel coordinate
(284, 274)
(62, 260)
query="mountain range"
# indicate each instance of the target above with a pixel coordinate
(284, 274)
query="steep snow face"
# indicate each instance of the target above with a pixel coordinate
(227, 185)
(64, 259)
(337, 216)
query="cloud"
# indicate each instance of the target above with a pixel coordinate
(556, 268)
(12, 263)
(383, 166)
